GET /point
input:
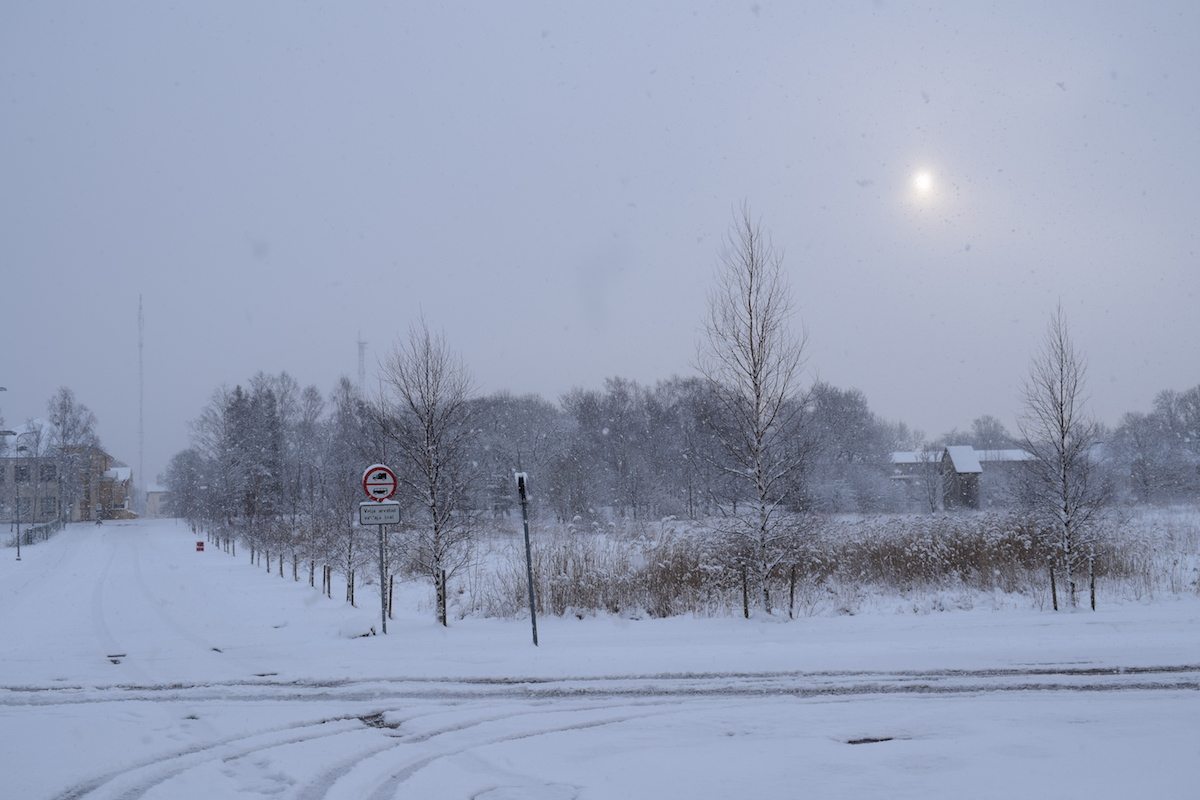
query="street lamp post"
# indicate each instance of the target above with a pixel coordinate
(17, 484)
(16, 492)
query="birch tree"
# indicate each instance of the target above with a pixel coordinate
(753, 362)
(425, 413)
(1061, 485)
(73, 432)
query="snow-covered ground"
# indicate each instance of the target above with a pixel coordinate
(134, 667)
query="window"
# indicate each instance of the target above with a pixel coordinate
(24, 507)
(47, 473)
(49, 506)
(21, 473)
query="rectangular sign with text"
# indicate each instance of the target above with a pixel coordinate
(378, 513)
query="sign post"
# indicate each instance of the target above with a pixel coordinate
(521, 477)
(379, 483)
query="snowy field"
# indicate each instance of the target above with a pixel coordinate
(134, 667)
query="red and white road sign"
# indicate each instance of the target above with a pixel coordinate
(379, 482)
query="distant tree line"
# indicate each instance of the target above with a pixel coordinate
(1157, 454)
(743, 446)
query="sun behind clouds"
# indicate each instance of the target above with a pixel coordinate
(923, 183)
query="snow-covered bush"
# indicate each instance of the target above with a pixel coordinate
(935, 561)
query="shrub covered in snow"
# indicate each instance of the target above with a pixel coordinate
(929, 562)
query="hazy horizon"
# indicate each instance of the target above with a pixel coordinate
(550, 185)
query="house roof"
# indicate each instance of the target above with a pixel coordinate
(964, 459)
(119, 473)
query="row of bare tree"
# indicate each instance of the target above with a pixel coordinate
(747, 445)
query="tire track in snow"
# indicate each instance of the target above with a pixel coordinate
(802, 684)
(667, 677)
(161, 769)
(109, 646)
(381, 768)
(388, 789)
(328, 780)
(155, 601)
(381, 771)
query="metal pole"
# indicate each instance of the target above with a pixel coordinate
(16, 491)
(528, 554)
(383, 606)
(17, 486)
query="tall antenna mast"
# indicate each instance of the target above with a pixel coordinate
(362, 363)
(141, 404)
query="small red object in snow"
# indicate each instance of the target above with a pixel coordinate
(199, 547)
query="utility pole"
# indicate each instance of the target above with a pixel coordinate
(521, 477)
(141, 413)
(16, 492)
(17, 487)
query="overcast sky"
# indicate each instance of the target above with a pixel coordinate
(550, 184)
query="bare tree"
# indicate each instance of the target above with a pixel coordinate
(1061, 485)
(73, 433)
(426, 413)
(929, 475)
(351, 446)
(753, 363)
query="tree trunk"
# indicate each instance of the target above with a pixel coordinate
(764, 556)
(792, 592)
(766, 590)
(745, 593)
(1092, 581)
(441, 600)
(1068, 570)
(1053, 587)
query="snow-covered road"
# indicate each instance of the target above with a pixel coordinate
(134, 667)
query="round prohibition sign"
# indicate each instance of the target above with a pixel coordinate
(379, 482)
